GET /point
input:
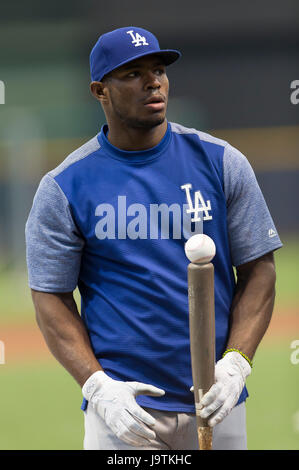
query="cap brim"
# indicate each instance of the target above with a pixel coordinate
(168, 55)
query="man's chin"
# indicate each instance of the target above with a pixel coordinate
(146, 123)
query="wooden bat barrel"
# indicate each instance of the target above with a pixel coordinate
(202, 340)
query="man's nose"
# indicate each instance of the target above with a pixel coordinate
(152, 81)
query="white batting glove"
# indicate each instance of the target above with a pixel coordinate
(230, 376)
(115, 402)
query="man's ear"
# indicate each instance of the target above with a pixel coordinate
(99, 91)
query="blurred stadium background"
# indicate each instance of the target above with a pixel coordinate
(239, 59)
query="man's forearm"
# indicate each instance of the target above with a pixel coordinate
(251, 313)
(65, 334)
(252, 305)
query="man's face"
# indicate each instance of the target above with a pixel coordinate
(138, 93)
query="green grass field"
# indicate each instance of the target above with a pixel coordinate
(40, 408)
(40, 402)
(273, 400)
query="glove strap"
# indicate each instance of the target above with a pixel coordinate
(93, 383)
(240, 352)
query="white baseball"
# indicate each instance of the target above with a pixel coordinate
(200, 249)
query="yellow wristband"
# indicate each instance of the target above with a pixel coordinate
(240, 352)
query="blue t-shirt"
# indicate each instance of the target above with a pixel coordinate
(114, 223)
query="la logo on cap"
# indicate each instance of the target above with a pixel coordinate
(137, 40)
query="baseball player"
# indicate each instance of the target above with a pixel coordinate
(113, 219)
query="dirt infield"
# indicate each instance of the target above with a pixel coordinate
(23, 343)
(284, 326)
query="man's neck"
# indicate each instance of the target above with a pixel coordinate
(132, 139)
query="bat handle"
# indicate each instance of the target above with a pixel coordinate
(204, 431)
(205, 437)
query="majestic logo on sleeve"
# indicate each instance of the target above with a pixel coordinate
(200, 209)
(137, 40)
(271, 233)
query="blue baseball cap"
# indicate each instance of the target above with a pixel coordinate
(123, 45)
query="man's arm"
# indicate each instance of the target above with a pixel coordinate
(253, 304)
(114, 401)
(251, 313)
(65, 334)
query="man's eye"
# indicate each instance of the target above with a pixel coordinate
(133, 74)
(160, 71)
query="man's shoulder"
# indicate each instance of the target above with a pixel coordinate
(81, 153)
(203, 136)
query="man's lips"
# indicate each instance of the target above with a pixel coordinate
(156, 103)
(154, 99)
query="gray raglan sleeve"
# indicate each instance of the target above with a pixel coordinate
(53, 244)
(250, 226)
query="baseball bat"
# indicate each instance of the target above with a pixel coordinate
(202, 340)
